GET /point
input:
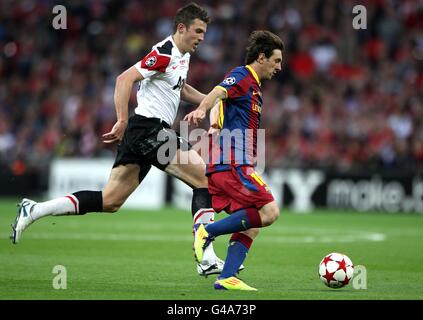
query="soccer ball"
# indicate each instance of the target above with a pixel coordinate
(336, 270)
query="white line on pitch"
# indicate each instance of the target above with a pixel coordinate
(365, 236)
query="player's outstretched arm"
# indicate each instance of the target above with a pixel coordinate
(191, 95)
(123, 88)
(208, 102)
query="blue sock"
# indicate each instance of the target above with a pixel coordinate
(237, 252)
(237, 221)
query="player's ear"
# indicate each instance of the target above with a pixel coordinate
(261, 57)
(181, 27)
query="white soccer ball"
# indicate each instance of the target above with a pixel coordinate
(336, 270)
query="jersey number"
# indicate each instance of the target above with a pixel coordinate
(258, 179)
(180, 84)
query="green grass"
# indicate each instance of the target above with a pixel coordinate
(147, 255)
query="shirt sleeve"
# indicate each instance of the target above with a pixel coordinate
(233, 84)
(152, 63)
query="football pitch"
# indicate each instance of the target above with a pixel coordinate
(148, 255)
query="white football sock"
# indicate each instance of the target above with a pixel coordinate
(209, 256)
(57, 207)
(204, 216)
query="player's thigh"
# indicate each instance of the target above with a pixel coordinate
(189, 167)
(123, 180)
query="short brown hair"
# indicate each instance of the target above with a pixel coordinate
(262, 41)
(187, 14)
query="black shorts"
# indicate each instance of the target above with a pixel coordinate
(144, 144)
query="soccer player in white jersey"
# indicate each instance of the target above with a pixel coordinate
(161, 75)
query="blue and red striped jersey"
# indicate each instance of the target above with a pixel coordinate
(239, 120)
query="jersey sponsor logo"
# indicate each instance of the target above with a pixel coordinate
(151, 61)
(180, 84)
(229, 81)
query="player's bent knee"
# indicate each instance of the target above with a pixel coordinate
(197, 173)
(202, 182)
(269, 215)
(275, 214)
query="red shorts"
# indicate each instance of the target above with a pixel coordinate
(237, 189)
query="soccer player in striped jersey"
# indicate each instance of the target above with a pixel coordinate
(233, 183)
(161, 76)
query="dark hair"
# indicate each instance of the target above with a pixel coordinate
(187, 14)
(262, 41)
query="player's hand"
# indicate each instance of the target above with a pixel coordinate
(116, 134)
(195, 116)
(213, 130)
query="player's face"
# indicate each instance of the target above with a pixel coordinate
(194, 34)
(273, 64)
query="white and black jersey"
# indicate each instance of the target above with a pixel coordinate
(164, 71)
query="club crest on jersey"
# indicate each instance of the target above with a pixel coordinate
(151, 61)
(229, 81)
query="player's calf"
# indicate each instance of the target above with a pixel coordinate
(111, 204)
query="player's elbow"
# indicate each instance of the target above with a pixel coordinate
(122, 78)
(129, 76)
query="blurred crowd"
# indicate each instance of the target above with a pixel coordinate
(346, 99)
